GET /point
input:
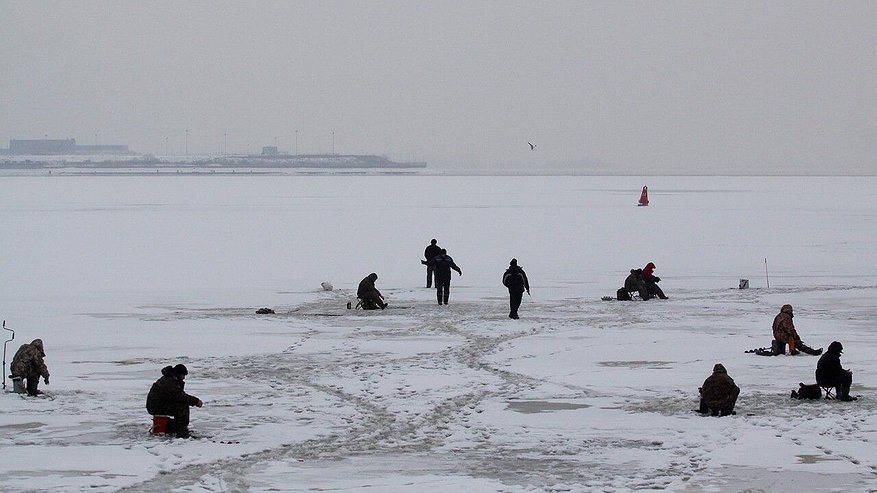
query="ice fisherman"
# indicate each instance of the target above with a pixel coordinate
(634, 283)
(443, 263)
(432, 250)
(718, 394)
(651, 281)
(784, 331)
(515, 279)
(167, 396)
(369, 294)
(829, 372)
(28, 364)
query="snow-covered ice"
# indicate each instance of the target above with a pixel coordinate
(122, 275)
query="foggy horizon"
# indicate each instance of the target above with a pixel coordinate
(654, 88)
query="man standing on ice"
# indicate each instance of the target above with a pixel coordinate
(167, 396)
(443, 263)
(432, 250)
(515, 279)
(784, 331)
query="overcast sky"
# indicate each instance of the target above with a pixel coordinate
(654, 86)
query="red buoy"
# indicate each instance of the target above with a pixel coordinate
(644, 197)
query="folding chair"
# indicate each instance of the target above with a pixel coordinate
(829, 391)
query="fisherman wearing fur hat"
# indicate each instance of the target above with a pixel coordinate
(28, 364)
(167, 396)
(718, 393)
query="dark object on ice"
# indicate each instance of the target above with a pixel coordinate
(812, 391)
(515, 279)
(606, 298)
(830, 373)
(264, 311)
(762, 351)
(167, 397)
(718, 393)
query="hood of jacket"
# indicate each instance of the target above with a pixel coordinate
(720, 368)
(835, 348)
(786, 309)
(38, 343)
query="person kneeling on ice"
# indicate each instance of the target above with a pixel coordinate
(28, 364)
(784, 331)
(718, 393)
(651, 281)
(167, 396)
(829, 372)
(369, 294)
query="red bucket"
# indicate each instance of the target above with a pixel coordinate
(160, 424)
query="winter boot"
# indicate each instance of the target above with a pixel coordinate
(809, 350)
(792, 350)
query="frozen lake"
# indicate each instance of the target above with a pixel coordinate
(122, 275)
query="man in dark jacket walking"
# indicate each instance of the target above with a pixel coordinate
(432, 250)
(718, 393)
(829, 372)
(167, 396)
(443, 263)
(515, 279)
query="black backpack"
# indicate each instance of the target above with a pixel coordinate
(622, 295)
(807, 392)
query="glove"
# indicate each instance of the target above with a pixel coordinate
(46, 379)
(657, 279)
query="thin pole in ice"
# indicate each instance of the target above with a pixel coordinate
(766, 274)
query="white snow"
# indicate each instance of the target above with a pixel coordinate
(122, 275)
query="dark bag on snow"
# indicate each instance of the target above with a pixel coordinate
(622, 295)
(807, 392)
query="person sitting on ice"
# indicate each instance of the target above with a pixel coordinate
(28, 364)
(635, 283)
(829, 372)
(369, 294)
(718, 393)
(651, 281)
(784, 332)
(168, 397)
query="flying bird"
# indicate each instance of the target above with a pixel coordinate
(532, 146)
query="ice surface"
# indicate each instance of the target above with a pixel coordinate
(121, 275)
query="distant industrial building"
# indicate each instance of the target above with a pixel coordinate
(56, 147)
